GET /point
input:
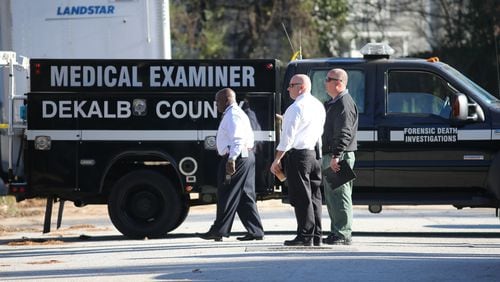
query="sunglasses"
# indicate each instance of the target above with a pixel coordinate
(291, 85)
(328, 79)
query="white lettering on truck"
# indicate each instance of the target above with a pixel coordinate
(74, 109)
(66, 109)
(202, 76)
(89, 76)
(430, 134)
(181, 109)
(159, 76)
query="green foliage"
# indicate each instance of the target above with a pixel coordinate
(253, 29)
(195, 31)
(464, 35)
(330, 17)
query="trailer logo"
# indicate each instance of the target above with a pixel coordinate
(85, 10)
(156, 76)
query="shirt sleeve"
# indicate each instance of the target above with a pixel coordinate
(237, 136)
(344, 124)
(291, 121)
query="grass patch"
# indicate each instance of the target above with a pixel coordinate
(10, 208)
(7, 206)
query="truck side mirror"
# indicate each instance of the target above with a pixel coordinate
(462, 110)
(476, 112)
(459, 108)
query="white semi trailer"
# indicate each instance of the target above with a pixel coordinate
(97, 29)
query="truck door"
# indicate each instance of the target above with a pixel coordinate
(419, 148)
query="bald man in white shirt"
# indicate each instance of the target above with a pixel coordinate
(236, 174)
(302, 129)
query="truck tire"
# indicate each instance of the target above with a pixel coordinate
(493, 183)
(144, 203)
(183, 214)
(375, 208)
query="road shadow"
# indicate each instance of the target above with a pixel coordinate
(48, 240)
(342, 264)
(465, 226)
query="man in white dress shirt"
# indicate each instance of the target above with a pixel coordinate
(236, 174)
(302, 129)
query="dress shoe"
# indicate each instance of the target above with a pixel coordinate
(299, 242)
(317, 241)
(210, 236)
(249, 237)
(335, 240)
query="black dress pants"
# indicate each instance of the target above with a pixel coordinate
(237, 197)
(303, 173)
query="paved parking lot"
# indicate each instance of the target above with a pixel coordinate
(401, 243)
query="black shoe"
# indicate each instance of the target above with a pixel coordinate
(334, 240)
(210, 236)
(299, 242)
(317, 241)
(249, 237)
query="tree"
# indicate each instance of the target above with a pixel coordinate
(194, 30)
(330, 18)
(460, 32)
(254, 28)
(468, 39)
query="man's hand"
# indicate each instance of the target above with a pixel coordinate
(230, 167)
(334, 164)
(276, 166)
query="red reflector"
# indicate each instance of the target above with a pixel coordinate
(269, 66)
(14, 189)
(37, 68)
(22, 189)
(188, 188)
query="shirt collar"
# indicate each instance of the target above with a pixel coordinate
(341, 94)
(301, 96)
(228, 108)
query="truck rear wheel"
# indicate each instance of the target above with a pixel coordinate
(375, 208)
(144, 203)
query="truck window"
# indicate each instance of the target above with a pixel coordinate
(417, 92)
(355, 84)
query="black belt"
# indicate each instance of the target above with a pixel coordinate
(329, 153)
(299, 150)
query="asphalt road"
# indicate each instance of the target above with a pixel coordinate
(400, 244)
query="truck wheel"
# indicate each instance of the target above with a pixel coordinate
(144, 203)
(184, 210)
(375, 208)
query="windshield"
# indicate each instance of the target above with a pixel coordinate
(482, 94)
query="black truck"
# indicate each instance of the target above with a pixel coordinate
(139, 135)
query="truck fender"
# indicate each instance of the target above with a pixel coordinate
(493, 183)
(128, 154)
